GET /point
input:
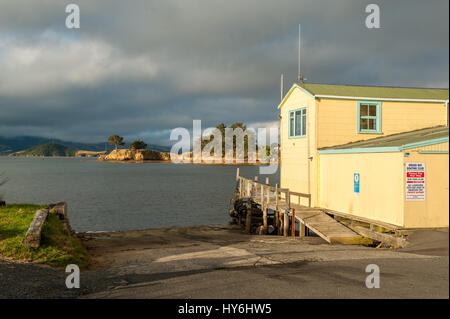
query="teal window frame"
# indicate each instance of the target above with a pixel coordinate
(377, 117)
(303, 120)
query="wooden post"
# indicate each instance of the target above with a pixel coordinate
(240, 188)
(276, 197)
(267, 180)
(237, 173)
(265, 220)
(248, 220)
(264, 209)
(276, 220)
(256, 178)
(302, 229)
(280, 220)
(293, 223)
(288, 200)
(286, 224)
(262, 194)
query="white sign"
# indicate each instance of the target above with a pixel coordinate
(415, 181)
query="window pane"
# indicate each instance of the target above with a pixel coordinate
(372, 110)
(298, 116)
(363, 124)
(291, 125)
(304, 124)
(372, 124)
(364, 110)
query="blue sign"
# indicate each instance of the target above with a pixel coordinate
(356, 183)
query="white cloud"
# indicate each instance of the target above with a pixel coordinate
(54, 63)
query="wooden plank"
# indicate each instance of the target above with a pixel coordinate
(328, 228)
(362, 219)
(396, 242)
(351, 240)
(33, 235)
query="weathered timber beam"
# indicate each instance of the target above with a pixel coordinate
(396, 242)
(33, 235)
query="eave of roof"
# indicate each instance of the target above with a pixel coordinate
(393, 143)
(378, 93)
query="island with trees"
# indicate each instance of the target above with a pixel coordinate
(137, 150)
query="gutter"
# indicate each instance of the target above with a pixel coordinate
(379, 99)
(389, 149)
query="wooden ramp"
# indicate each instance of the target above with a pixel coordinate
(282, 200)
(326, 227)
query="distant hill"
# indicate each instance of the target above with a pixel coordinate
(10, 145)
(49, 149)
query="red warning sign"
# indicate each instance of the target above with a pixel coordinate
(415, 181)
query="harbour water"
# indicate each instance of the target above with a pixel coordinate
(104, 196)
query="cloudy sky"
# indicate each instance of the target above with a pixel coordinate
(141, 68)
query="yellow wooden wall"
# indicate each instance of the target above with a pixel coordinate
(434, 211)
(381, 185)
(296, 171)
(334, 122)
(337, 119)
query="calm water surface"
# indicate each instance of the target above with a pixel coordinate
(105, 196)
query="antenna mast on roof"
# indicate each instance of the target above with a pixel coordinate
(300, 77)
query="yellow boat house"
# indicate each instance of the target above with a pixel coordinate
(377, 154)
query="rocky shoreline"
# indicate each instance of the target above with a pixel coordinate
(139, 155)
(144, 156)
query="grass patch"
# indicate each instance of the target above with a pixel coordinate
(57, 248)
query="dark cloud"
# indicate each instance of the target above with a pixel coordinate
(140, 68)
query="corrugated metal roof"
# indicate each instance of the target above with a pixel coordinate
(398, 139)
(375, 91)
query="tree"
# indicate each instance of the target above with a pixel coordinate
(221, 127)
(116, 140)
(138, 145)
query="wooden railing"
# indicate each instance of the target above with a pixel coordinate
(280, 198)
(270, 197)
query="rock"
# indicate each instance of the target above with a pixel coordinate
(136, 155)
(119, 155)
